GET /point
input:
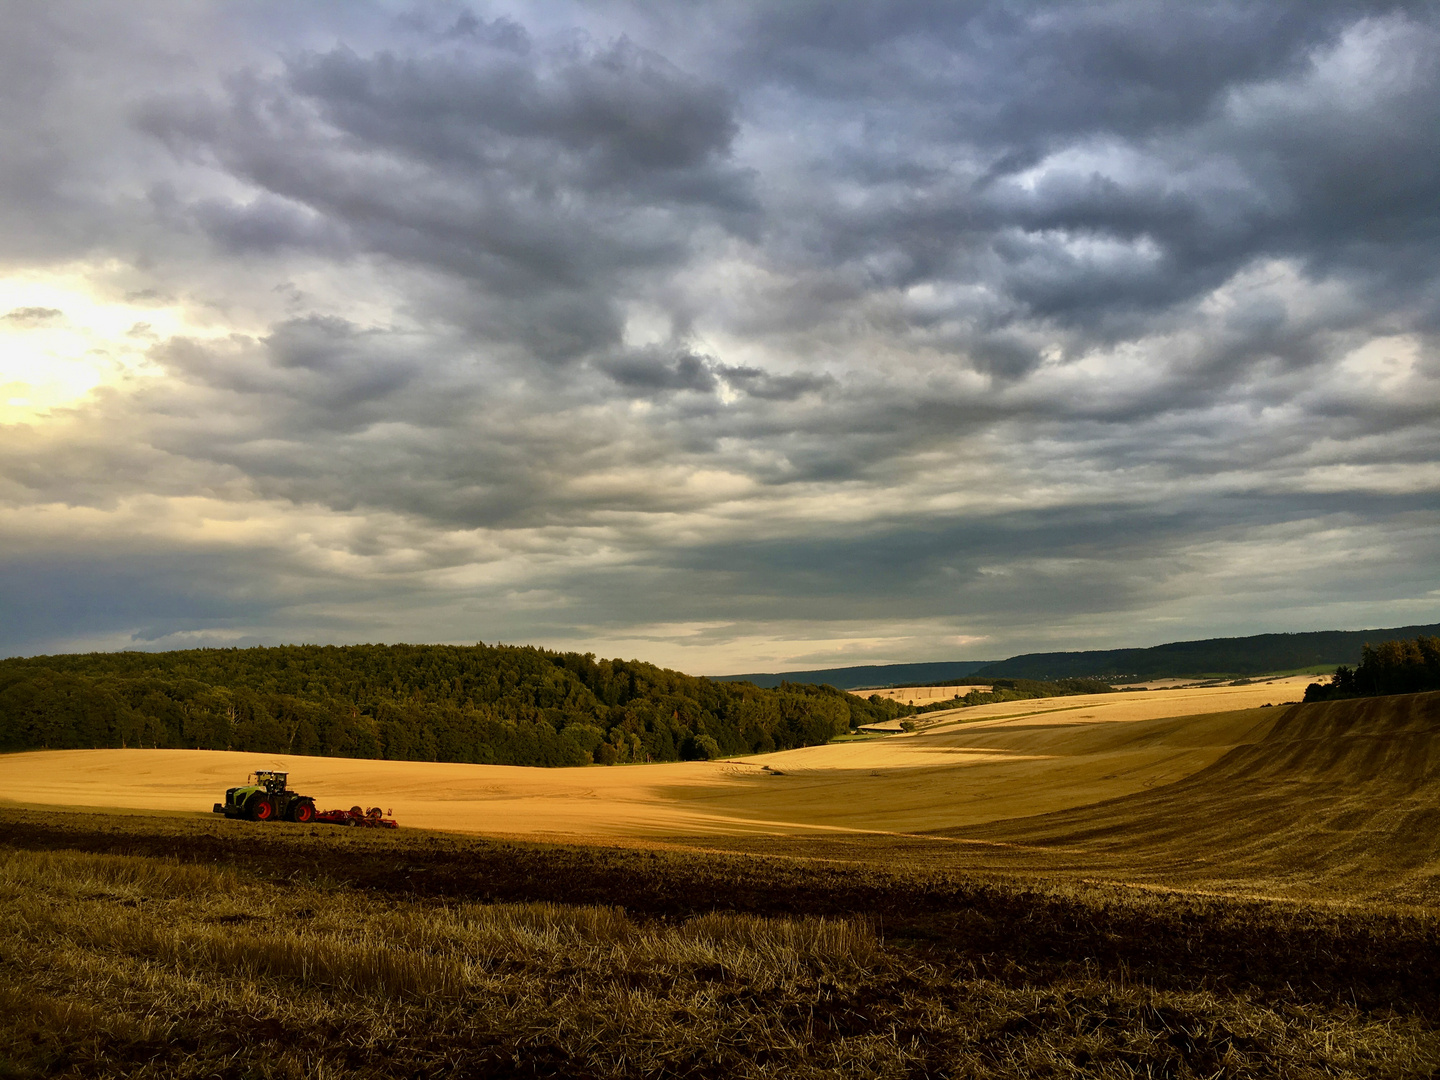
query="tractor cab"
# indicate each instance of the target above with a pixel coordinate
(274, 783)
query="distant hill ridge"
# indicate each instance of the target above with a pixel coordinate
(848, 678)
(1258, 654)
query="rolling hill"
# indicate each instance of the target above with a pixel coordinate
(1336, 798)
(1259, 654)
(480, 703)
(849, 678)
(1255, 655)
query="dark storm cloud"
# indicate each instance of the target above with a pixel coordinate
(753, 312)
(617, 115)
(50, 598)
(762, 384)
(652, 371)
(648, 372)
(1046, 575)
(545, 180)
(265, 224)
(1089, 161)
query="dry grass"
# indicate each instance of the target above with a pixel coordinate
(140, 967)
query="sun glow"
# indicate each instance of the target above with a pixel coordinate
(61, 338)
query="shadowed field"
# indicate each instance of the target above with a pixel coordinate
(136, 965)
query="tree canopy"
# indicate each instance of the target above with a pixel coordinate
(497, 704)
(1392, 667)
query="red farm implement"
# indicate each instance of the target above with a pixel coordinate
(365, 819)
(266, 796)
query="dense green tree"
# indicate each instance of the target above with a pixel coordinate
(1392, 667)
(495, 704)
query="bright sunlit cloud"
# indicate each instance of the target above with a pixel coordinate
(61, 337)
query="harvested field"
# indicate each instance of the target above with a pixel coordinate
(269, 967)
(971, 766)
(1336, 801)
(922, 695)
(1336, 798)
(1298, 801)
(1081, 888)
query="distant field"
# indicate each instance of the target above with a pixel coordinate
(922, 695)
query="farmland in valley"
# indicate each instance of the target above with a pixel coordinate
(1034, 755)
(922, 695)
(1184, 882)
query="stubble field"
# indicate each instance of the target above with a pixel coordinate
(1179, 883)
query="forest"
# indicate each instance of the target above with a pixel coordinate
(487, 704)
(1392, 667)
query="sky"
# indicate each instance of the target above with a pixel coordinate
(728, 336)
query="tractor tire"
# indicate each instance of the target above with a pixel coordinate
(260, 808)
(302, 811)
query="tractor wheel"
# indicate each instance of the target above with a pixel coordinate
(303, 811)
(261, 808)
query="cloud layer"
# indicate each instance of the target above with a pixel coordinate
(736, 337)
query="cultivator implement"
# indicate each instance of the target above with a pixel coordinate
(355, 817)
(266, 796)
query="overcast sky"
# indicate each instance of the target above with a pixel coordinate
(730, 336)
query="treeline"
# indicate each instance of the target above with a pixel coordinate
(507, 705)
(1392, 667)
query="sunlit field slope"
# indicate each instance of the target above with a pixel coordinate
(1005, 760)
(1338, 798)
(1197, 789)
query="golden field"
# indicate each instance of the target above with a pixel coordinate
(921, 695)
(969, 766)
(1226, 788)
(1184, 883)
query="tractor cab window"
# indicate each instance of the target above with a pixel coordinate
(273, 782)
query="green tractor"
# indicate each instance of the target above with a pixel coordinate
(265, 797)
